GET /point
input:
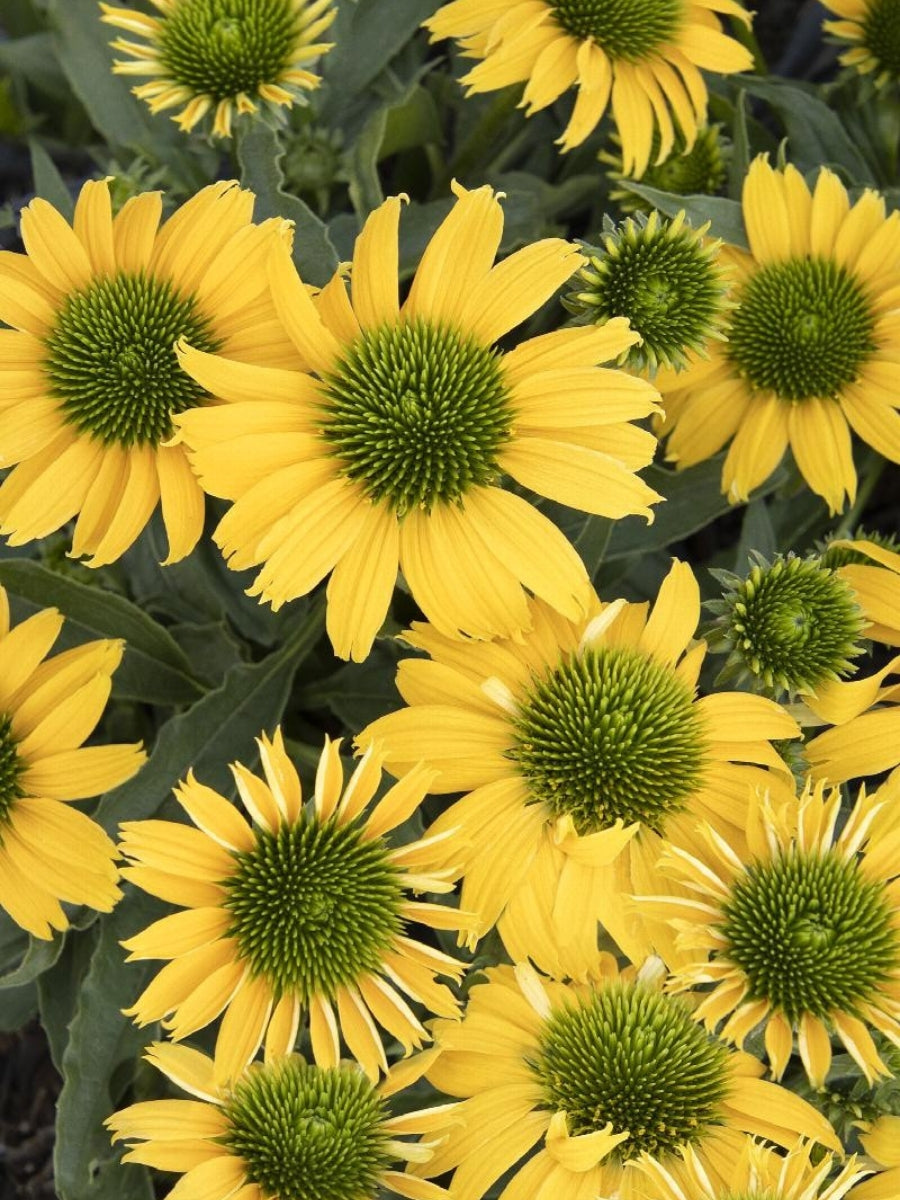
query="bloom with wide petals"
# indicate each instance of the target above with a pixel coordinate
(388, 449)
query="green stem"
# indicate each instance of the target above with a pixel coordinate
(477, 145)
(866, 488)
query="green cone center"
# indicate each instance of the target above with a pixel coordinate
(11, 768)
(308, 1133)
(802, 329)
(881, 34)
(610, 734)
(667, 285)
(698, 170)
(221, 48)
(630, 1056)
(111, 360)
(417, 413)
(795, 624)
(810, 933)
(314, 906)
(629, 29)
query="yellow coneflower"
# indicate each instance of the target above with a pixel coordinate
(304, 911)
(870, 26)
(599, 1077)
(89, 381)
(50, 852)
(284, 1129)
(389, 449)
(642, 58)
(799, 932)
(222, 56)
(812, 345)
(578, 744)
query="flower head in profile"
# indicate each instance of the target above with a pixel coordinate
(812, 345)
(871, 28)
(790, 625)
(577, 746)
(390, 447)
(88, 374)
(664, 277)
(758, 1173)
(641, 58)
(49, 852)
(701, 170)
(222, 57)
(799, 932)
(301, 912)
(285, 1129)
(599, 1079)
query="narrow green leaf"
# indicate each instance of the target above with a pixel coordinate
(48, 183)
(17, 1007)
(724, 216)
(362, 164)
(259, 154)
(216, 729)
(59, 987)
(358, 693)
(757, 533)
(100, 1039)
(154, 668)
(816, 134)
(364, 44)
(32, 59)
(39, 957)
(693, 498)
(740, 152)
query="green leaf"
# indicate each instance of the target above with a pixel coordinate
(816, 134)
(17, 1007)
(358, 693)
(32, 59)
(48, 183)
(693, 498)
(740, 153)
(259, 153)
(216, 729)
(58, 989)
(725, 216)
(757, 533)
(154, 668)
(364, 44)
(362, 164)
(39, 957)
(100, 1039)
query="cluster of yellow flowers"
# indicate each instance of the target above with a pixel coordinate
(660, 887)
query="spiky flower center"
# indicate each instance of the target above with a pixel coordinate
(664, 280)
(810, 933)
(110, 358)
(881, 35)
(308, 1133)
(11, 768)
(630, 1056)
(842, 556)
(417, 414)
(314, 906)
(793, 624)
(221, 48)
(610, 734)
(698, 170)
(802, 329)
(629, 29)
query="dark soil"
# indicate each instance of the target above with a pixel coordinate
(29, 1085)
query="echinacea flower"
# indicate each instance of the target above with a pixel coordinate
(222, 56)
(283, 1130)
(598, 1076)
(870, 26)
(813, 341)
(758, 1173)
(49, 851)
(790, 625)
(304, 911)
(89, 381)
(799, 933)
(389, 448)
(703, 169)
(665, 278)
(641, 58)
(578, 745)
